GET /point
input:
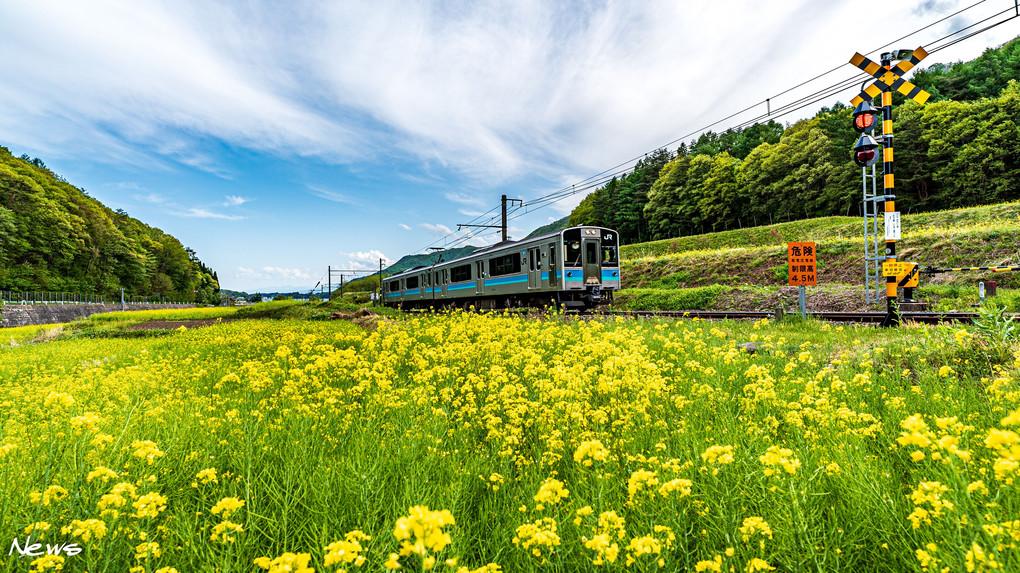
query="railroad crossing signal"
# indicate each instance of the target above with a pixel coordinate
(890, 79)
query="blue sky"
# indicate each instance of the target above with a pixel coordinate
(277, 139)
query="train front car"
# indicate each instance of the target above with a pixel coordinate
(591, 267)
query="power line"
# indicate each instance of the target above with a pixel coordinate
(603, 177)
(804, 101)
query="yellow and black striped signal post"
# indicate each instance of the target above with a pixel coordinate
(889, 78)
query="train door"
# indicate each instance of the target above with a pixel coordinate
(534, 269)
(479, 277)
(592, 262)
(553, 268)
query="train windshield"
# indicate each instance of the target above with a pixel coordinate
(609, 256)
(572, 248)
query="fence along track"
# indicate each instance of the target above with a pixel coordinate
(51, 297)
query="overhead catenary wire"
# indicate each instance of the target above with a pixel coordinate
(452, 239)
(804, 101)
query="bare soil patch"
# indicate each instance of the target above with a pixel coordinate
(828, 299)
(363, 317)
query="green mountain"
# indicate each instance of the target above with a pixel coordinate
(554, 226)
(54, 237)
(411, 261)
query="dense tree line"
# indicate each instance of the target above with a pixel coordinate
(54, 237)
(960, 149)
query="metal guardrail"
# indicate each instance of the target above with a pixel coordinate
(49, 297)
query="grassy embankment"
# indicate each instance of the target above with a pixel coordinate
(554, 445)
(752, 262)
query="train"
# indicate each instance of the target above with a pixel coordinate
(577, 268)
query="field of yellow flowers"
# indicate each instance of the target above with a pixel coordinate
(481, 443)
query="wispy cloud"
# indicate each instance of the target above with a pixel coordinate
(464, 199)
(151, 198)
(405, 227)
(334, 196)
(200, 213)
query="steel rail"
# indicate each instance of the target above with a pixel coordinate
(849, 317)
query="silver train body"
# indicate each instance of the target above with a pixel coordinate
(576, 268)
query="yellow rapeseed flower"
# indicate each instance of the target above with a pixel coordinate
(227, 506)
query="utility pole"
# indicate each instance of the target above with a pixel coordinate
(503, 204)
(329, 281)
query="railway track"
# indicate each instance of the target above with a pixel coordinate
(848, 317)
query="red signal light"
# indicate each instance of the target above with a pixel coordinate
(864, 117)
(866, 157)
(865, 151)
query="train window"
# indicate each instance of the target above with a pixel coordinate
(609, 256)
(505, 265)
(591, 253)
(394, 286)
(460, 274)
(412, 282)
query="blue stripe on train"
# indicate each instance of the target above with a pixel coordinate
(507, 280)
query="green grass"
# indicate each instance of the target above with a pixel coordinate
(827, 229)
(673, 299)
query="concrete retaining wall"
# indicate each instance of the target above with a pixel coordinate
(24, 315)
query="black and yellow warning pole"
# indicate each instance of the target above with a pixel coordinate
(889, 184)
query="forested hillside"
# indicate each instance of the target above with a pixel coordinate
(960, 149)
(54, 237)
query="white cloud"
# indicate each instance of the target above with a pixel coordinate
(270, 273)
(367, 260)
(405, 227)
(235, 201)
(168, 74)
(496, 91)
(438, 230)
